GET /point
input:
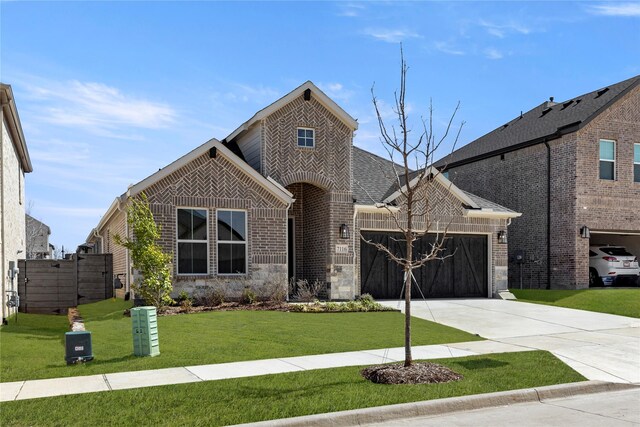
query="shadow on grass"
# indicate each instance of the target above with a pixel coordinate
(484, 363)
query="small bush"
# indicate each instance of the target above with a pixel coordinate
(274, 290)
(186, 305)
(366, 304)
(211, 298)
(248, 296)
(307, 292)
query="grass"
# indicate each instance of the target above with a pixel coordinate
(34, 348)
(623, 302)
(283, 395)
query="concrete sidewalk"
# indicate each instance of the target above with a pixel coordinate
(600, 346)
(32, 389)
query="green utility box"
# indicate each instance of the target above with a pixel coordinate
(144, 321)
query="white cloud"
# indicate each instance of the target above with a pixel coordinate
(246, 93)
(336, 91)
(616, 9)
(351, 10)
(445, 47)
(391, 35)
(97, 107)
(493, 53)
(501, 30)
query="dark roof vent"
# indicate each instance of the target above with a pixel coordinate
(307, 94)
(602, 92)
(566, 104)
(504, 126)
(578, 101)
(545, 111)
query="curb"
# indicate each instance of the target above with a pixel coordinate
(381, 414)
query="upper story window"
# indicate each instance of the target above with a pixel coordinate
(636, 162)
(306, 137)
(232, 242)
(607, 159)
(192, 241)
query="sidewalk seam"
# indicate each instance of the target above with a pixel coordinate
(106, 381)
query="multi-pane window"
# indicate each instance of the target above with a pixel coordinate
(607, 159)
(192, 241)
(306, 137)
(232, 242)
(636, 162)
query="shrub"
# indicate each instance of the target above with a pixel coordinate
(211, 297)
(305, 291)
(274, 290)
(248, 296)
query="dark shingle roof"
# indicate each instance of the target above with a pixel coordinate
(373, 181)
(546, 120)
(372, 177)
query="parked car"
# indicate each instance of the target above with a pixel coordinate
(612, 264)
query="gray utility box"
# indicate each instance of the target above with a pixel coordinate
(144, 321)
(78, 347)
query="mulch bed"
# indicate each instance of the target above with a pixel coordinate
(417, 373)
(227, 306)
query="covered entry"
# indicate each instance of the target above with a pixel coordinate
(463, 274)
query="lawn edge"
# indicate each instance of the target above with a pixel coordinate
(381, 414)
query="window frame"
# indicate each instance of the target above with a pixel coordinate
(636, 146)
(313, 139)
(178, 241)
(233, 242)
(600, 159)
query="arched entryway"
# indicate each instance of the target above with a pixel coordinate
(308, 229)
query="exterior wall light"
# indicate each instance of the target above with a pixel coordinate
(344, 231)
(502, 236)
(585, 233)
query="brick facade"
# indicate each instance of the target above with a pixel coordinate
(518, 180)
(320, 180)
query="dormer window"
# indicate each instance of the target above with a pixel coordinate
(306, 137)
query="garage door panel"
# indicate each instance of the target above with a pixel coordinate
(463, 273)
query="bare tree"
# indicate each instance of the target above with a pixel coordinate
(417, 190)
(36, 237)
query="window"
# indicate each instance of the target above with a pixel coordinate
(232, 242)
(607, 159)
(306, 137)
(636, 162)
(192, 241)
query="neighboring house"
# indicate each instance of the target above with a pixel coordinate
(285, 196)
(37, 239)
(573, 169)
(15, 163)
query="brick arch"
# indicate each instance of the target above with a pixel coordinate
(313, 178)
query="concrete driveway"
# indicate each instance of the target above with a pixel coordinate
(600, 346)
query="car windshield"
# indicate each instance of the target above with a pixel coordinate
(616, 251)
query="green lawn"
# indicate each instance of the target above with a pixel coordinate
(34, 348)
(624, 302)
(283, 395)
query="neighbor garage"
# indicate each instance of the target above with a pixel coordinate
(463, 271)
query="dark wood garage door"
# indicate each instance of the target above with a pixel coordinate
(462, 275)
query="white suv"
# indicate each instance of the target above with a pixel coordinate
(608, 264)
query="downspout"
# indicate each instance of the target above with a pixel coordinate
(546, 144)
(355, 267)
(286, 227)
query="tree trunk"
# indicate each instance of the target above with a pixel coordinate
(408, 359)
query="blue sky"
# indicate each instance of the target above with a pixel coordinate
(109, 92)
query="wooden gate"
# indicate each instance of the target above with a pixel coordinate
(462, 274)
(52, 286)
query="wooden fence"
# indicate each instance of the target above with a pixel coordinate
(52, 286)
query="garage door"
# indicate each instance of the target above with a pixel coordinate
(462, 274)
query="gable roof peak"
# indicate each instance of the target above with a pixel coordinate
(295, 93)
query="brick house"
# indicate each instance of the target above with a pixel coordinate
(286, 195)
(565, 165)
(37, 239)
(14, 163)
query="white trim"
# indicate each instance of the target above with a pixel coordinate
(489, 213)
(313, 137)
(443, 181)
(233, 242)
(635, 145)
(381, 208)
(615, 175)
(178, 240)
(113, 208)
(615, 233)
(276, 190)
(320, 97)
(490, 265)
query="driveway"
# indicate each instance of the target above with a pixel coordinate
(600, 346)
